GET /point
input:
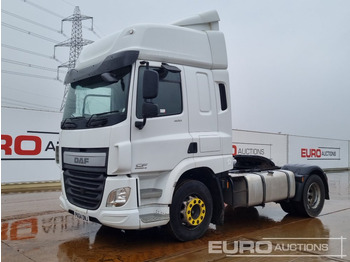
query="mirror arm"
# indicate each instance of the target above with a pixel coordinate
(145, 63)
(140, 125)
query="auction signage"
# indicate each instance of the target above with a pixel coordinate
(32, 145)
(269, 145)
(252, 149)
(321, 153)
(28, 143)
(327, 153)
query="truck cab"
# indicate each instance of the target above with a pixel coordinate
(120, 163)
(145, 138)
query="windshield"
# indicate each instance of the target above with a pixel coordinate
(97, 101)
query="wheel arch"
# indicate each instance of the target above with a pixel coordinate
(302, 173)
(212, 182)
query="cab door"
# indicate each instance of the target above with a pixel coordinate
(164, 140)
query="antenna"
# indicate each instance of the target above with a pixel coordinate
(75, 43)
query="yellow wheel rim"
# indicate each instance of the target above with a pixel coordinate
(195, 211)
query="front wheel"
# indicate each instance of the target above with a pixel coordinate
(191, 210)
(313, 197)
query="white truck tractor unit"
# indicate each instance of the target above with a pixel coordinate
(146, 136)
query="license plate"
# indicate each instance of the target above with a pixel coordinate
(81, 216)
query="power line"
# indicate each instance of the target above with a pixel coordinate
(21, 91)
(29, 107)
(29, 75)
(43, 9)
(26, 51)
(32, 66)
(33, 109)
(96, 34)
(58, 15)
(29, 33)
(28, 65)
(31, 21)
(23, 103)
(68, 3)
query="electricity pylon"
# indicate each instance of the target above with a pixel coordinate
(75, 43)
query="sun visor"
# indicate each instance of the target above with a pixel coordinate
(112, 62)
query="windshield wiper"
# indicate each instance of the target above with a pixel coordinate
(95, 122)
(69, 124)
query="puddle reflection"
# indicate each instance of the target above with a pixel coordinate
(118, 245)
(93, 242)
(44, 227)
(19, 229)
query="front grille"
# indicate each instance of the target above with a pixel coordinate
(84, 189)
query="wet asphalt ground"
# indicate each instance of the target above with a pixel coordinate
(34, 228)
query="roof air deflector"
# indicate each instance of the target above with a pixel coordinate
(205, 22)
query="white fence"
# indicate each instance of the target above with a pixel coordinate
(28, 140)
(282, 149)
(272, 146)
(326, 153)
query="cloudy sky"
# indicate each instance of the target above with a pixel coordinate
(289, 60)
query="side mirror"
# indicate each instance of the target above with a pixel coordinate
(150, 84)
(149, 110)
(150, 91)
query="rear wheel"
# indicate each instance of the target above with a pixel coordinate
(313, 197)
(190, 211)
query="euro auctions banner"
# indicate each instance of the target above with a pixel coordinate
(321, 153)
(28, 143)
(272, 146)
(326, 153)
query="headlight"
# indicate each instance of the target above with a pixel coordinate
(118, 197)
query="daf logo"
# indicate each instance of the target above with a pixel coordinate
(141, 166)
(81, 160)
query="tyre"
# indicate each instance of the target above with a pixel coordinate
(191, 210)
(313, 197)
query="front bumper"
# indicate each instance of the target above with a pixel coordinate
(124, 217)
(128, 216)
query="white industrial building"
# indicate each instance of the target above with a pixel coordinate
(29, 138)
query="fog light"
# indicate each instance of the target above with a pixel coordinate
(118, 197)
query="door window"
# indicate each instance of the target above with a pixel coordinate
(169, 99)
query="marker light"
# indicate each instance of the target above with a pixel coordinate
(118, 197)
